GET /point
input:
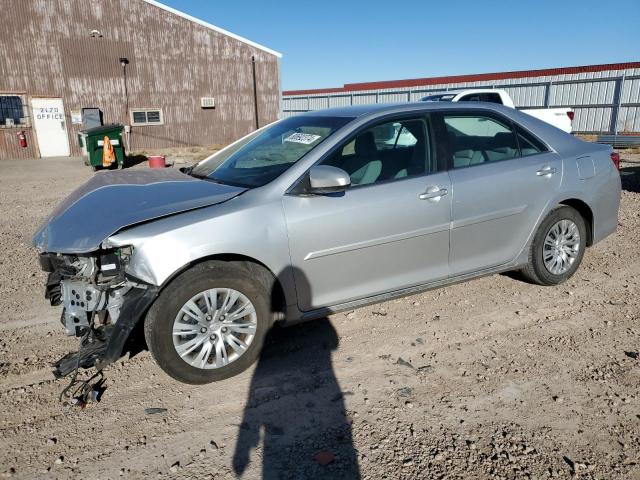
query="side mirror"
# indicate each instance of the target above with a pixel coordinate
(325, 179)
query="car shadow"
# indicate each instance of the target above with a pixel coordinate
(294, 417)
(630, 177)
(516, 275)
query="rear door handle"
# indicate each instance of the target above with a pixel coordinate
(546, 171)
(433, 193)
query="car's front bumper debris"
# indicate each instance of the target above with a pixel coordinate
(101, 305)
(90, 353)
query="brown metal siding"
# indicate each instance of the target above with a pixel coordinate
(46, 50)
(10, 148)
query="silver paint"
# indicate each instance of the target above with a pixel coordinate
(375, 242)
(323, 177)
(111, 201)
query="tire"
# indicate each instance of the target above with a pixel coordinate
(163, 314)
(536, 270)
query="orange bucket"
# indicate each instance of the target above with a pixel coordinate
(157, 161)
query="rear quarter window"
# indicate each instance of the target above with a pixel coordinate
(529, 145)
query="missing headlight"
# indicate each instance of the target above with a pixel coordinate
(110, 264)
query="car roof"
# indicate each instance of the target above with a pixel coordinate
(554, 137)
(355, 111)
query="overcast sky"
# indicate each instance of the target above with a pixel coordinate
(329, 43)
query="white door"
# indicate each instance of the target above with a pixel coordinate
(51, 127)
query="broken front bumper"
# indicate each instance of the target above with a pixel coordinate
(107, 343)
(101, 305)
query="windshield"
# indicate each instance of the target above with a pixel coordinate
(265, 154)
(440, 97)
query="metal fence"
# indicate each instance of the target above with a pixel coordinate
(609, 103)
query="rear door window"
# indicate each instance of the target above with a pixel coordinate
(478, 139)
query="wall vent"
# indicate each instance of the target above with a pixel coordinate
(208, 102)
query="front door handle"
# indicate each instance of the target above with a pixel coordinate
(433, 193)
(546, 171)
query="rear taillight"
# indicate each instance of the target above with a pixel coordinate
(570, 114)
(615, 158)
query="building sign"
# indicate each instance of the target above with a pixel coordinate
(49, 113)
(76, 117)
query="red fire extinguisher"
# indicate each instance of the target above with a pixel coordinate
(22, 139)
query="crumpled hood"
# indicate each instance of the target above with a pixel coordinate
(111, 201)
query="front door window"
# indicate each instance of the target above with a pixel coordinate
(389, 151)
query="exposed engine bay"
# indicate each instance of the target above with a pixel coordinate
(86, 284)
(101, 305)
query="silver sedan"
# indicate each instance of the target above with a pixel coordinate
(315, 214)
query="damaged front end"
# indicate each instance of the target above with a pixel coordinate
(102, 304)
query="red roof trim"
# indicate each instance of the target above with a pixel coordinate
(417, 82)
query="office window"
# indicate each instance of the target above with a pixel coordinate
(146, 116)
(12, 111)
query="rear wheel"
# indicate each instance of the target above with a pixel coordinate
(557, 248)
(209, 323)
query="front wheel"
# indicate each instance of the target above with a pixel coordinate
(209, 323)
(557, 248)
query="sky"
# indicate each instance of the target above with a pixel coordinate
(329, 43)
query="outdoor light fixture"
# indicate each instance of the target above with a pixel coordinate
(124, 61)
(96, 33)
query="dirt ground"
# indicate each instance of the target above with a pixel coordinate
(493, 378)
(178, 155)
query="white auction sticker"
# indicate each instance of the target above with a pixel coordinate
(306, 138)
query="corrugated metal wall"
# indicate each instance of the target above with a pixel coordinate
(604, 101)
(46, 50)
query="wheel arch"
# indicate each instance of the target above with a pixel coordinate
(585, 212)
(132, 332)
(268, 277)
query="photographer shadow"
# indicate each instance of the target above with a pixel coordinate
(294, 417)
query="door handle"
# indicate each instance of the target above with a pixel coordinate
(546, 171)
(433, 193)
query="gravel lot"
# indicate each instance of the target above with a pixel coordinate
(494, 378)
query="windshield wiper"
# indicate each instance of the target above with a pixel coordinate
(209, 179)
(189, 171)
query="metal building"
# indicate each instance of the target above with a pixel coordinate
(606, 98)
(174, 79)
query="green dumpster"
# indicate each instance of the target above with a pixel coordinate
(92, 140)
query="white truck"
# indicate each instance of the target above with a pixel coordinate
(558, 117)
